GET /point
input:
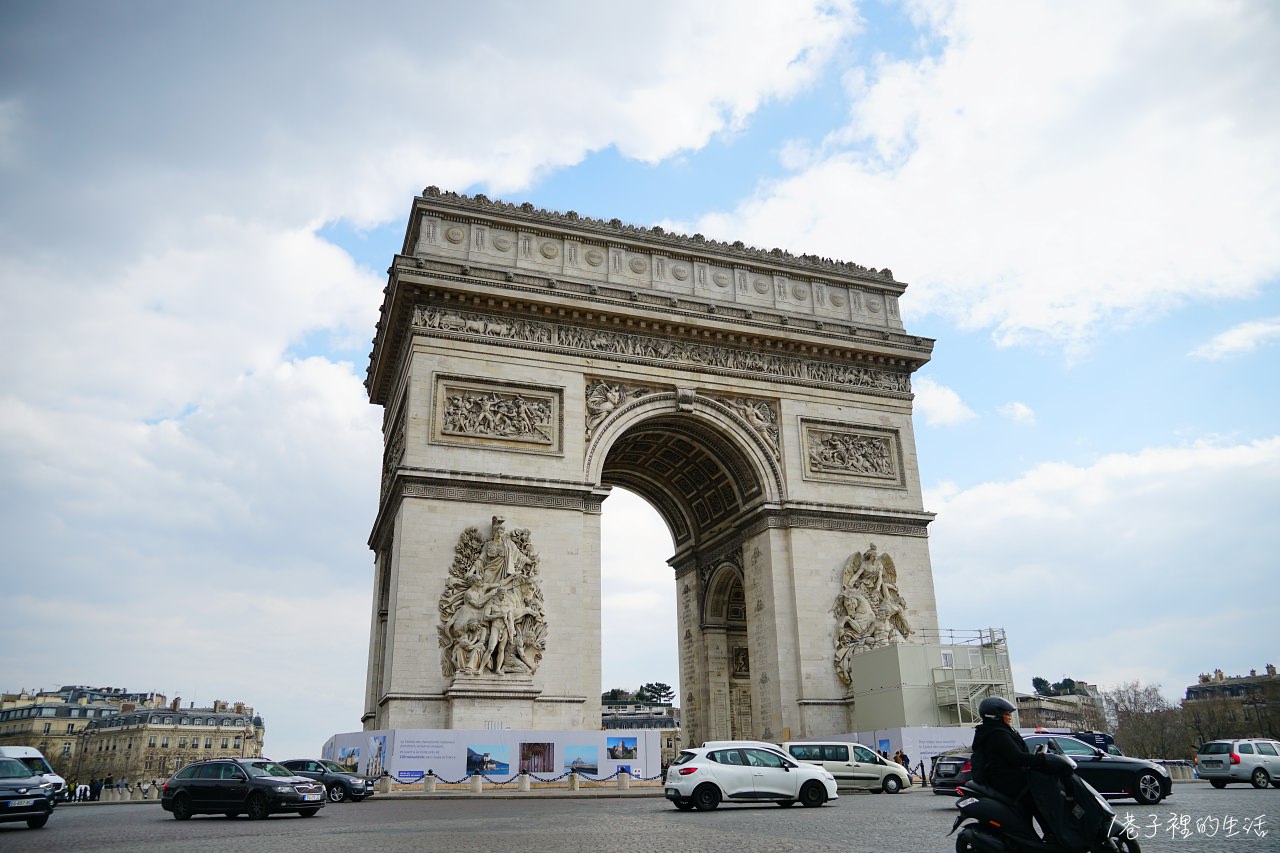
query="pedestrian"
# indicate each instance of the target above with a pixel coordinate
(902, 757)
(897, 757)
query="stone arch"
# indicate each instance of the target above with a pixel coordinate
(697, 462)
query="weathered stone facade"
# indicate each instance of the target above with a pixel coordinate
(527, 361)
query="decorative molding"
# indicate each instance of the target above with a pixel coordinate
(393, 453)
(847, 452)
(584, 502)
(497, 414)
(615, 227)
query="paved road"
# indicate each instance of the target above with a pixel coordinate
(913, 821)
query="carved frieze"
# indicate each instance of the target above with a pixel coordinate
(870, 612)
(866, 454)
(504, 414)
(492, 618)
(651, 348)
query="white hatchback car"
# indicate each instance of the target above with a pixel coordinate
(703, 778)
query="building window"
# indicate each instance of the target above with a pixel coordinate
(47, 726)
(168, 721)
(151, 741)
(182, 743)
(948, 660)
(71, 727)
(237, 743)
(66, 749)
(164, 743)
(208, 743)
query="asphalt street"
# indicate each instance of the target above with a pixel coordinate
(1196, 819)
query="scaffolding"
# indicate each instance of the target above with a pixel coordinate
(979, 667)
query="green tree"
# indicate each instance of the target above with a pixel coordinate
(1041, 686)
(657, 691)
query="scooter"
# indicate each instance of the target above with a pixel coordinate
(1073, 816)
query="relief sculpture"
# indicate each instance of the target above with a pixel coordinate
(851, 453)
(605, 398)
(502, 415)
(761, 416)
(491, 611)
(869, 611)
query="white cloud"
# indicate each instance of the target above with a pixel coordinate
(940, 405)
(175, 473)
(1095, 571)
(1240, 340)
(1019, 413)
(1053, 169)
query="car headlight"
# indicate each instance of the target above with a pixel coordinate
(284, 789)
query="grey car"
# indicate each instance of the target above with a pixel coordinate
(1252, 760)
(340, 782)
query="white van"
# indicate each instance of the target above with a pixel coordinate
(33, 758)
(853, 765)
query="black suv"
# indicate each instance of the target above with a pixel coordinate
(233, 786)
(24, 795)
(341, 782)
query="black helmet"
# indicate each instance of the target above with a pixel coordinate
(993, 707)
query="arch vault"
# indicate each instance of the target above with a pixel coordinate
(528, 361)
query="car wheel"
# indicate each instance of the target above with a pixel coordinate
(891, 784)
(182, 807)
(1218, 783)
(1147, 789)
(37, 822)
(308, 812)
(812, 795)
(683, 805)
(706, 797)
(1260, 778)
(337, 793)
(786, 804)
(257, 807)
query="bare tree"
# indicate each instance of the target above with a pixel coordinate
(1147, 724)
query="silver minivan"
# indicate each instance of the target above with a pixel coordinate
(1253, 760)
(854, 765)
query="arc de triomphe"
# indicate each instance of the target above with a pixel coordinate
(527, 361)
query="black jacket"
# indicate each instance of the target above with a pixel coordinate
(1000, 758)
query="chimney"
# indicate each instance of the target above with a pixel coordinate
(1253, 673)
(177, 703)
(239, 707)
(1271, 669)
(1217, 673)
(126, 707)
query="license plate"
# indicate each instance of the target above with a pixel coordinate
(1213, 764)
(17, 804)
(310, 797)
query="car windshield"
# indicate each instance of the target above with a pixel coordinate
(36, 764)
(335, 767)
(266, 768)
(13, 769)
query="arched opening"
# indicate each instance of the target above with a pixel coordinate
(698, 477)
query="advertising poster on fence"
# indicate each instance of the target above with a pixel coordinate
(452, 755)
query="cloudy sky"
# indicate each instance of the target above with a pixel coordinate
(198, 203)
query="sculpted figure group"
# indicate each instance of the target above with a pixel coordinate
(869, 611)
(491, 611)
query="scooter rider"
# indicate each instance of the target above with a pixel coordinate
(1000, 755)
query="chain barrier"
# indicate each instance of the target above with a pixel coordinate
(536, 778)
